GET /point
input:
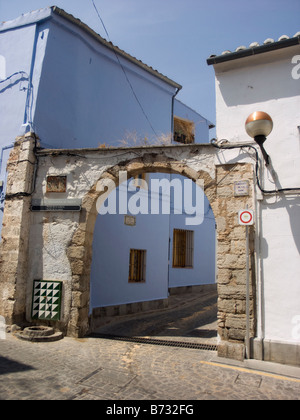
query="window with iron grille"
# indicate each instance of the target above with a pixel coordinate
(183, 248)
(137, 266)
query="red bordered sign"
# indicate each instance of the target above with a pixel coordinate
(246, 217)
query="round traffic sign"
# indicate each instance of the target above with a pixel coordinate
(246, 217)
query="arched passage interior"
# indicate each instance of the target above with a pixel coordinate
(162, 243)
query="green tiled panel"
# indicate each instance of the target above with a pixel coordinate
(46, 300)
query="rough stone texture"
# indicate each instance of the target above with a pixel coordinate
(15, 230)
(231, 260)
(58, 246)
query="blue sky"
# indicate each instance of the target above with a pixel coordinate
(177, 36)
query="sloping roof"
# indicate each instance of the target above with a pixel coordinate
(255, 48)
(47, 13)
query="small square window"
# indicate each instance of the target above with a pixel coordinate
(137, 266)
(184, 131)
(56, 184)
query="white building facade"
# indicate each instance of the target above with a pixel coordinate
(267, 78)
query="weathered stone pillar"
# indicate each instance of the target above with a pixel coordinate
(231, 261)
(15, 230)
(80, 256)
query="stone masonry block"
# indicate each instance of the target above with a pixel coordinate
(230, 350)
(77, 266)
(76, 252)
(231, 261)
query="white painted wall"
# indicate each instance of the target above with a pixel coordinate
(264, 83)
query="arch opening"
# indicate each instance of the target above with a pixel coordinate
(80, 319)
(159, 251)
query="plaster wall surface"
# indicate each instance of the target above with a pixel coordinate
(17, 49)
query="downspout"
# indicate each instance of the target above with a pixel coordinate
(172, 113)
(27, 122)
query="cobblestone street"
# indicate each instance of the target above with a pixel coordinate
(190, 317)
(103, 369)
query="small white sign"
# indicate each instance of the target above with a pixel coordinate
(241, 188)
(246, 217)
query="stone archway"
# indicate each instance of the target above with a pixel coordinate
(193, 161)
(80, 249)
(231, 261)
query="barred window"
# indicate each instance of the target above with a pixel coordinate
(137, 266)
(183, 248)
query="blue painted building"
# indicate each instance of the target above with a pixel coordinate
(74, 89)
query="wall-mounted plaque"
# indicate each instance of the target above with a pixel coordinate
(241, 188)
(56, 184)
(130, 220)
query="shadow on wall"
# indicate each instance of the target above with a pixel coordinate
(290, 203)
(293, 209)
(257, 90)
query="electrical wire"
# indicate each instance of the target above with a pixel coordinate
(279, 190)
(15, 74)
(124, 71)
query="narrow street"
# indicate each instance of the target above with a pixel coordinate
(113, 365)
(103, 369)
(190, 318)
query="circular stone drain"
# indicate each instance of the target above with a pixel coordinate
(39, 334)
(38, 331)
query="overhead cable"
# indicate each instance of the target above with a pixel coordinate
(124, 71)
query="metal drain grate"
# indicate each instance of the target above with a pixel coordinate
(157, 342)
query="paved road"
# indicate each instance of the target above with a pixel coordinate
(191, 317)
(106, 369)
(93, 368)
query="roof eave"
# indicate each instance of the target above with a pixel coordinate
(253, 51)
